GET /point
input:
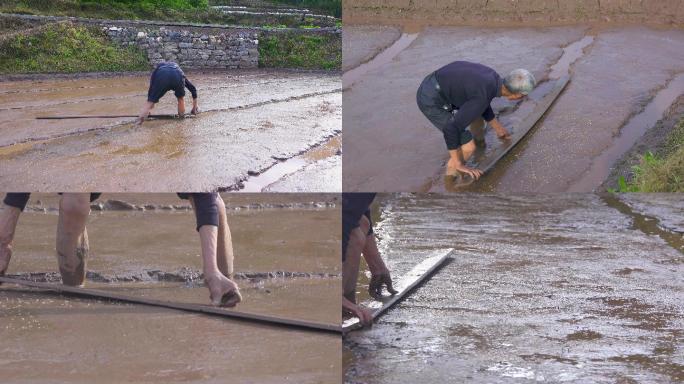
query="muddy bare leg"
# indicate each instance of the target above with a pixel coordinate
(225, 256)
(350, 267)
(9, 217)
(477, 129)
(145, 111)
(458, 157)
(222, 291)
(72, 238)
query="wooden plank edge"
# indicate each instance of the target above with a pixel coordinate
(196, 308)
(434, 262)
(534, 118)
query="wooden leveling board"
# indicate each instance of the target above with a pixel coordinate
(405, 285)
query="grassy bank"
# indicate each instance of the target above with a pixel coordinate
(297, 50)
(660, 172)
(196, 11)
(67, 48)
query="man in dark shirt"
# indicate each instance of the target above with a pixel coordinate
(358, 239)
(458, 96)
(168, 76)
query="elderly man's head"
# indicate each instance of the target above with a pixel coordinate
(518, 83)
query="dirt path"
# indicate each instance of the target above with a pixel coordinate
(391, 146)
(550, 288)
(216, 150)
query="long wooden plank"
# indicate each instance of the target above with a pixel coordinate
(406, 284)
(160, 117)
(496, 149)
(197, 308)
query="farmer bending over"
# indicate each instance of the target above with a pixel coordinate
(458, 96)
(165, 77)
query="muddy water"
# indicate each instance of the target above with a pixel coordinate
(389, 145)
(319, 169)
(589, 125)
(383, 58)
(264, 240)
(116, 342)
(240, 131)
(548, 288)
(613, 70)
(362, 43)
(128, 343)
(660, 206)
(630, 134)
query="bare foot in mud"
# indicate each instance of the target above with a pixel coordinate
(223, 292)
(453, 183)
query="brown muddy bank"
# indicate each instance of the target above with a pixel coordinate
(571, 149)
(249, 122)
(552, 288)
(512, 13)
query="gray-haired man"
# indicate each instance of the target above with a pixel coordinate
(468, 88)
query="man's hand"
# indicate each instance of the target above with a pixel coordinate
(376, 283)
(364, 314)
(453, 166)
(501, 131)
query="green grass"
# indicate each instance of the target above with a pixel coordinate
(67, 48)
(297, 50)
(195, 11)
(662, 172)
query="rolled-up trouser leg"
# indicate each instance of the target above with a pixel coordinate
(17, 200)
(72, 237)
(205, 207)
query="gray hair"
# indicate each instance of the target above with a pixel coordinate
(520, 81)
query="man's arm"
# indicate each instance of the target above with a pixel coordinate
(466, 114)
(380, 274)
(501, 131)
(193, 91)
(181, 106)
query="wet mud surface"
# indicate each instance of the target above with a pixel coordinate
(294, 238)
(667, 208)
(362, 43)
(546, 288)
(391, 146)
(241, 131)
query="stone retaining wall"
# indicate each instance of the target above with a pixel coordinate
(192, 49)
(454, 12)
(205, 46)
